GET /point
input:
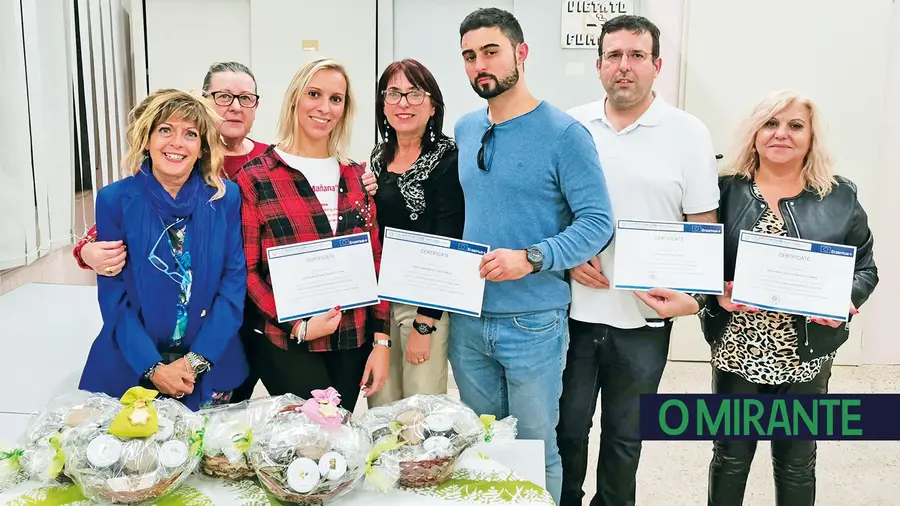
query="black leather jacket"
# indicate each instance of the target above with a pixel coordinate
(838, 218)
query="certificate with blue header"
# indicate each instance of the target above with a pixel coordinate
(312, 277)
(685, 257)
(431, 271)
(795, 276)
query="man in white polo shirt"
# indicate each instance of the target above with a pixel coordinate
(659, 165)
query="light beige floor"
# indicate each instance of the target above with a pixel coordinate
(675, 473)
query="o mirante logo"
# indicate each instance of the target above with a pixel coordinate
(864, 417)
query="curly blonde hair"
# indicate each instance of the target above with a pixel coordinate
(159, 107)
(288, 124)
(818, 169)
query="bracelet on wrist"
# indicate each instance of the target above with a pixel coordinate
(149, 374)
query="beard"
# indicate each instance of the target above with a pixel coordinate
(498, 86)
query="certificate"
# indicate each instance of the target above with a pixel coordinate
(312, 277)
(685, 257)
(431, 271)
(794, 276)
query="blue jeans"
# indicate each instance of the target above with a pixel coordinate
(513, 365)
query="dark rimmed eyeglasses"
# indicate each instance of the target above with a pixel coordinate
(225, 99)
(484, 140)
(413, 97)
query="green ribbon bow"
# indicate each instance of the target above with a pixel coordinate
(243, 444)
(59, 458)
(138, 418)
(13, 457)
(196, 442)
(488, 422)
(374, 474)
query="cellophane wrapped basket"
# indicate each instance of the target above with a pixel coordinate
(228, 432)
(418, 440)
(300, 459)
(40, 455)
(135, 453)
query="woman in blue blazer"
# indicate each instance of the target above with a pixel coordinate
(171, 316)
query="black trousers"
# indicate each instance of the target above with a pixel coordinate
(299, 372)
(793, 462)
(619, 365)
(250, 339)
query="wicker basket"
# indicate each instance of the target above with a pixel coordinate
(413, 464)
(425, 473)
(289, 436)
(220, 467)
(320, 496)
(135, 496)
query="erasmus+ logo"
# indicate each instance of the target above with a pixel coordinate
(862, 417)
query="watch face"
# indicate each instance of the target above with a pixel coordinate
(535, 255)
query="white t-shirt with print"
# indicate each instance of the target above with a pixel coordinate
(324, 175)
(659, 168)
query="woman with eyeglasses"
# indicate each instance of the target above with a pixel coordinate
(231, 88)
(171, 316)
(416, 188)
(304, 189)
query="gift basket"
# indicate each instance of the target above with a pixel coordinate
(41, 456)
(137, 452)
(418, 440)
(228, 432)
(309, 452)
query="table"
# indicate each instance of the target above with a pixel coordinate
(510, 473)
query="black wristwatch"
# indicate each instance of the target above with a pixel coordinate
(423, 328)
(701, 301)
(536, 258)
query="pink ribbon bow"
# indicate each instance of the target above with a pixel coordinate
(322, 408)
(329, 395)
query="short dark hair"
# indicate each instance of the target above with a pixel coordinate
(226, 66)
(492, 17)
(422, 78)
(634, 24)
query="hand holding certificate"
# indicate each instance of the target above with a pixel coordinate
(312, 277)
(431, 271)
(794, 276)
(685, 257)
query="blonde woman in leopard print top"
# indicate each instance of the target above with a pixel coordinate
(781, 182)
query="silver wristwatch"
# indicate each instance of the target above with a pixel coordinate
(301, 331)
(198, 363)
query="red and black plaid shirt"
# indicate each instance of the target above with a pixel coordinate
(279, 207)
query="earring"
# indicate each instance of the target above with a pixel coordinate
(431, 128)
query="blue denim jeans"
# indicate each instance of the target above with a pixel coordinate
(513, 365)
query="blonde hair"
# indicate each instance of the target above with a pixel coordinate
(288, 124)
(159, 107)
(817, 171)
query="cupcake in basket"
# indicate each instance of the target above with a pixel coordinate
(147, 448)
(417, 440)
(41, 456)
(228, 432)
(309, 460)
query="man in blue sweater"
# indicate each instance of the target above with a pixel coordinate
(536, 193)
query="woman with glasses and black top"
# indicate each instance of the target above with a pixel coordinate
(416, 188)
(171, 315)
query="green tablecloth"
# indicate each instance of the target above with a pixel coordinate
(475, 480)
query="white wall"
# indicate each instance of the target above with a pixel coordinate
(880, 344)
